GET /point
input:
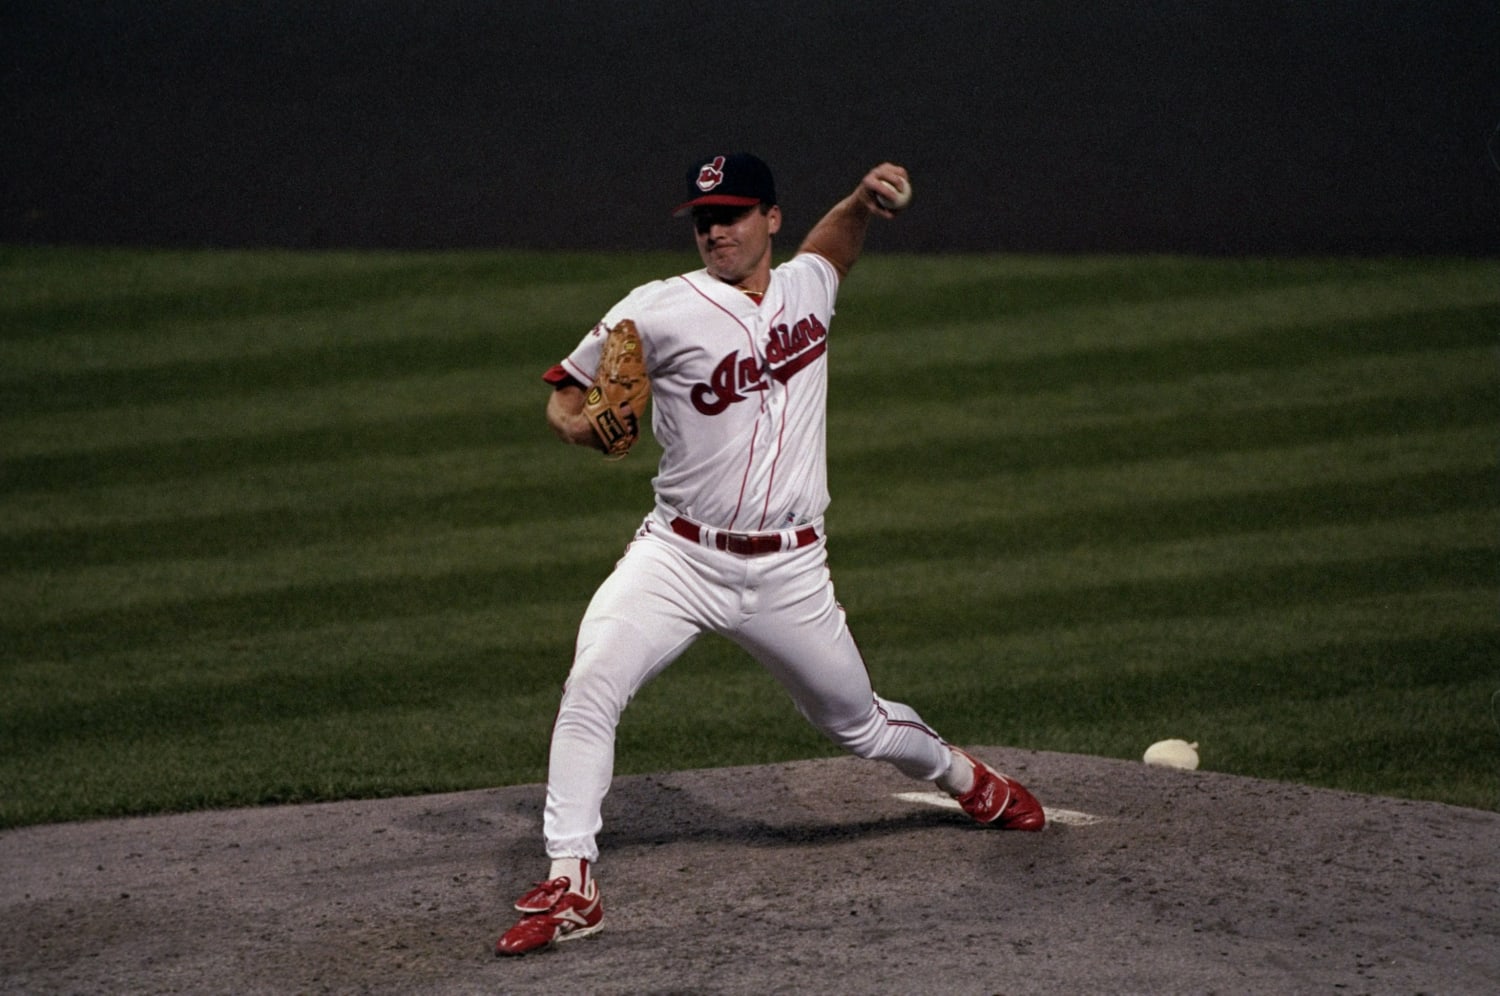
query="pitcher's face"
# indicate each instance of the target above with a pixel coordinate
(735, 242)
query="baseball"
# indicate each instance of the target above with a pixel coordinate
(1172, 754)
(898, 198)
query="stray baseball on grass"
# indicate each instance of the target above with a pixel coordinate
(1172, 754)
(899, 197)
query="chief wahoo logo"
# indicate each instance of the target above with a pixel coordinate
(711, 175)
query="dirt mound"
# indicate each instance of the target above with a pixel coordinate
(836, 876)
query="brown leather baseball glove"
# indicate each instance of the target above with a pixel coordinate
(621, 379)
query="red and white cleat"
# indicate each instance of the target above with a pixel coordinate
(1000, 801)
(552, 914)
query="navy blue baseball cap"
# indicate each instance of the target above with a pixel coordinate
(739, 180)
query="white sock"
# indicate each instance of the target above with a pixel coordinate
(959, 777)
(575, 870)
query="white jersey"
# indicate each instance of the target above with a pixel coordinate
(739, 392)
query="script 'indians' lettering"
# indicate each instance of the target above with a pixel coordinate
(790, 349)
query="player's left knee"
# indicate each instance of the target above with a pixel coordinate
(861, 737)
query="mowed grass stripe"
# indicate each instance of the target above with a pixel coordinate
(288, 369)
(360, 341)
(991, 593)
(969, 576)
(366, 752)
(532, 320)
(1188, 430)
(991, 372)
(534, 506)
(1372, 461)
(269, 693)
(368, 394)
(430, 557)
(1375, 477)
(1003, 535)
(891, 288)
(331, 363)
(1070, 655)
(197, 536)
(1162, 438)
(99, 295)
(91, 610)
(1224, 574)
(462, 743)
(253, 609)
(881, 316)
(417, 334)
(496, 393)
(469, 409)
(104, 292)
(245, 533)
(1316, 672)
(1182, 690)
(530, 641)
(347, 479)
(1104, 405)
(1326, 582)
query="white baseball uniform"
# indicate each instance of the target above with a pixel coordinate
(735, 543)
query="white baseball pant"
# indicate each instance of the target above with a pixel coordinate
(663, 594)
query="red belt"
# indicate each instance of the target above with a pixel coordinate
(744, 544)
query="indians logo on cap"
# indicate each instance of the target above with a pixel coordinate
(711, 175)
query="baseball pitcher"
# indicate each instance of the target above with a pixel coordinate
(732, 361)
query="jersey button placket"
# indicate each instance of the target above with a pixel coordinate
(762, 340)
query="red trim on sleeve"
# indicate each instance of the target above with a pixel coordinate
(558, 376)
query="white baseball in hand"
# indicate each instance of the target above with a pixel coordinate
(896, 196)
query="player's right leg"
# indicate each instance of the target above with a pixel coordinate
(641, 619)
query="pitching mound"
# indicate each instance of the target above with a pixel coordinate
(834, 876)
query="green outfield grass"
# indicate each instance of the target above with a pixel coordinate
(280, 527)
